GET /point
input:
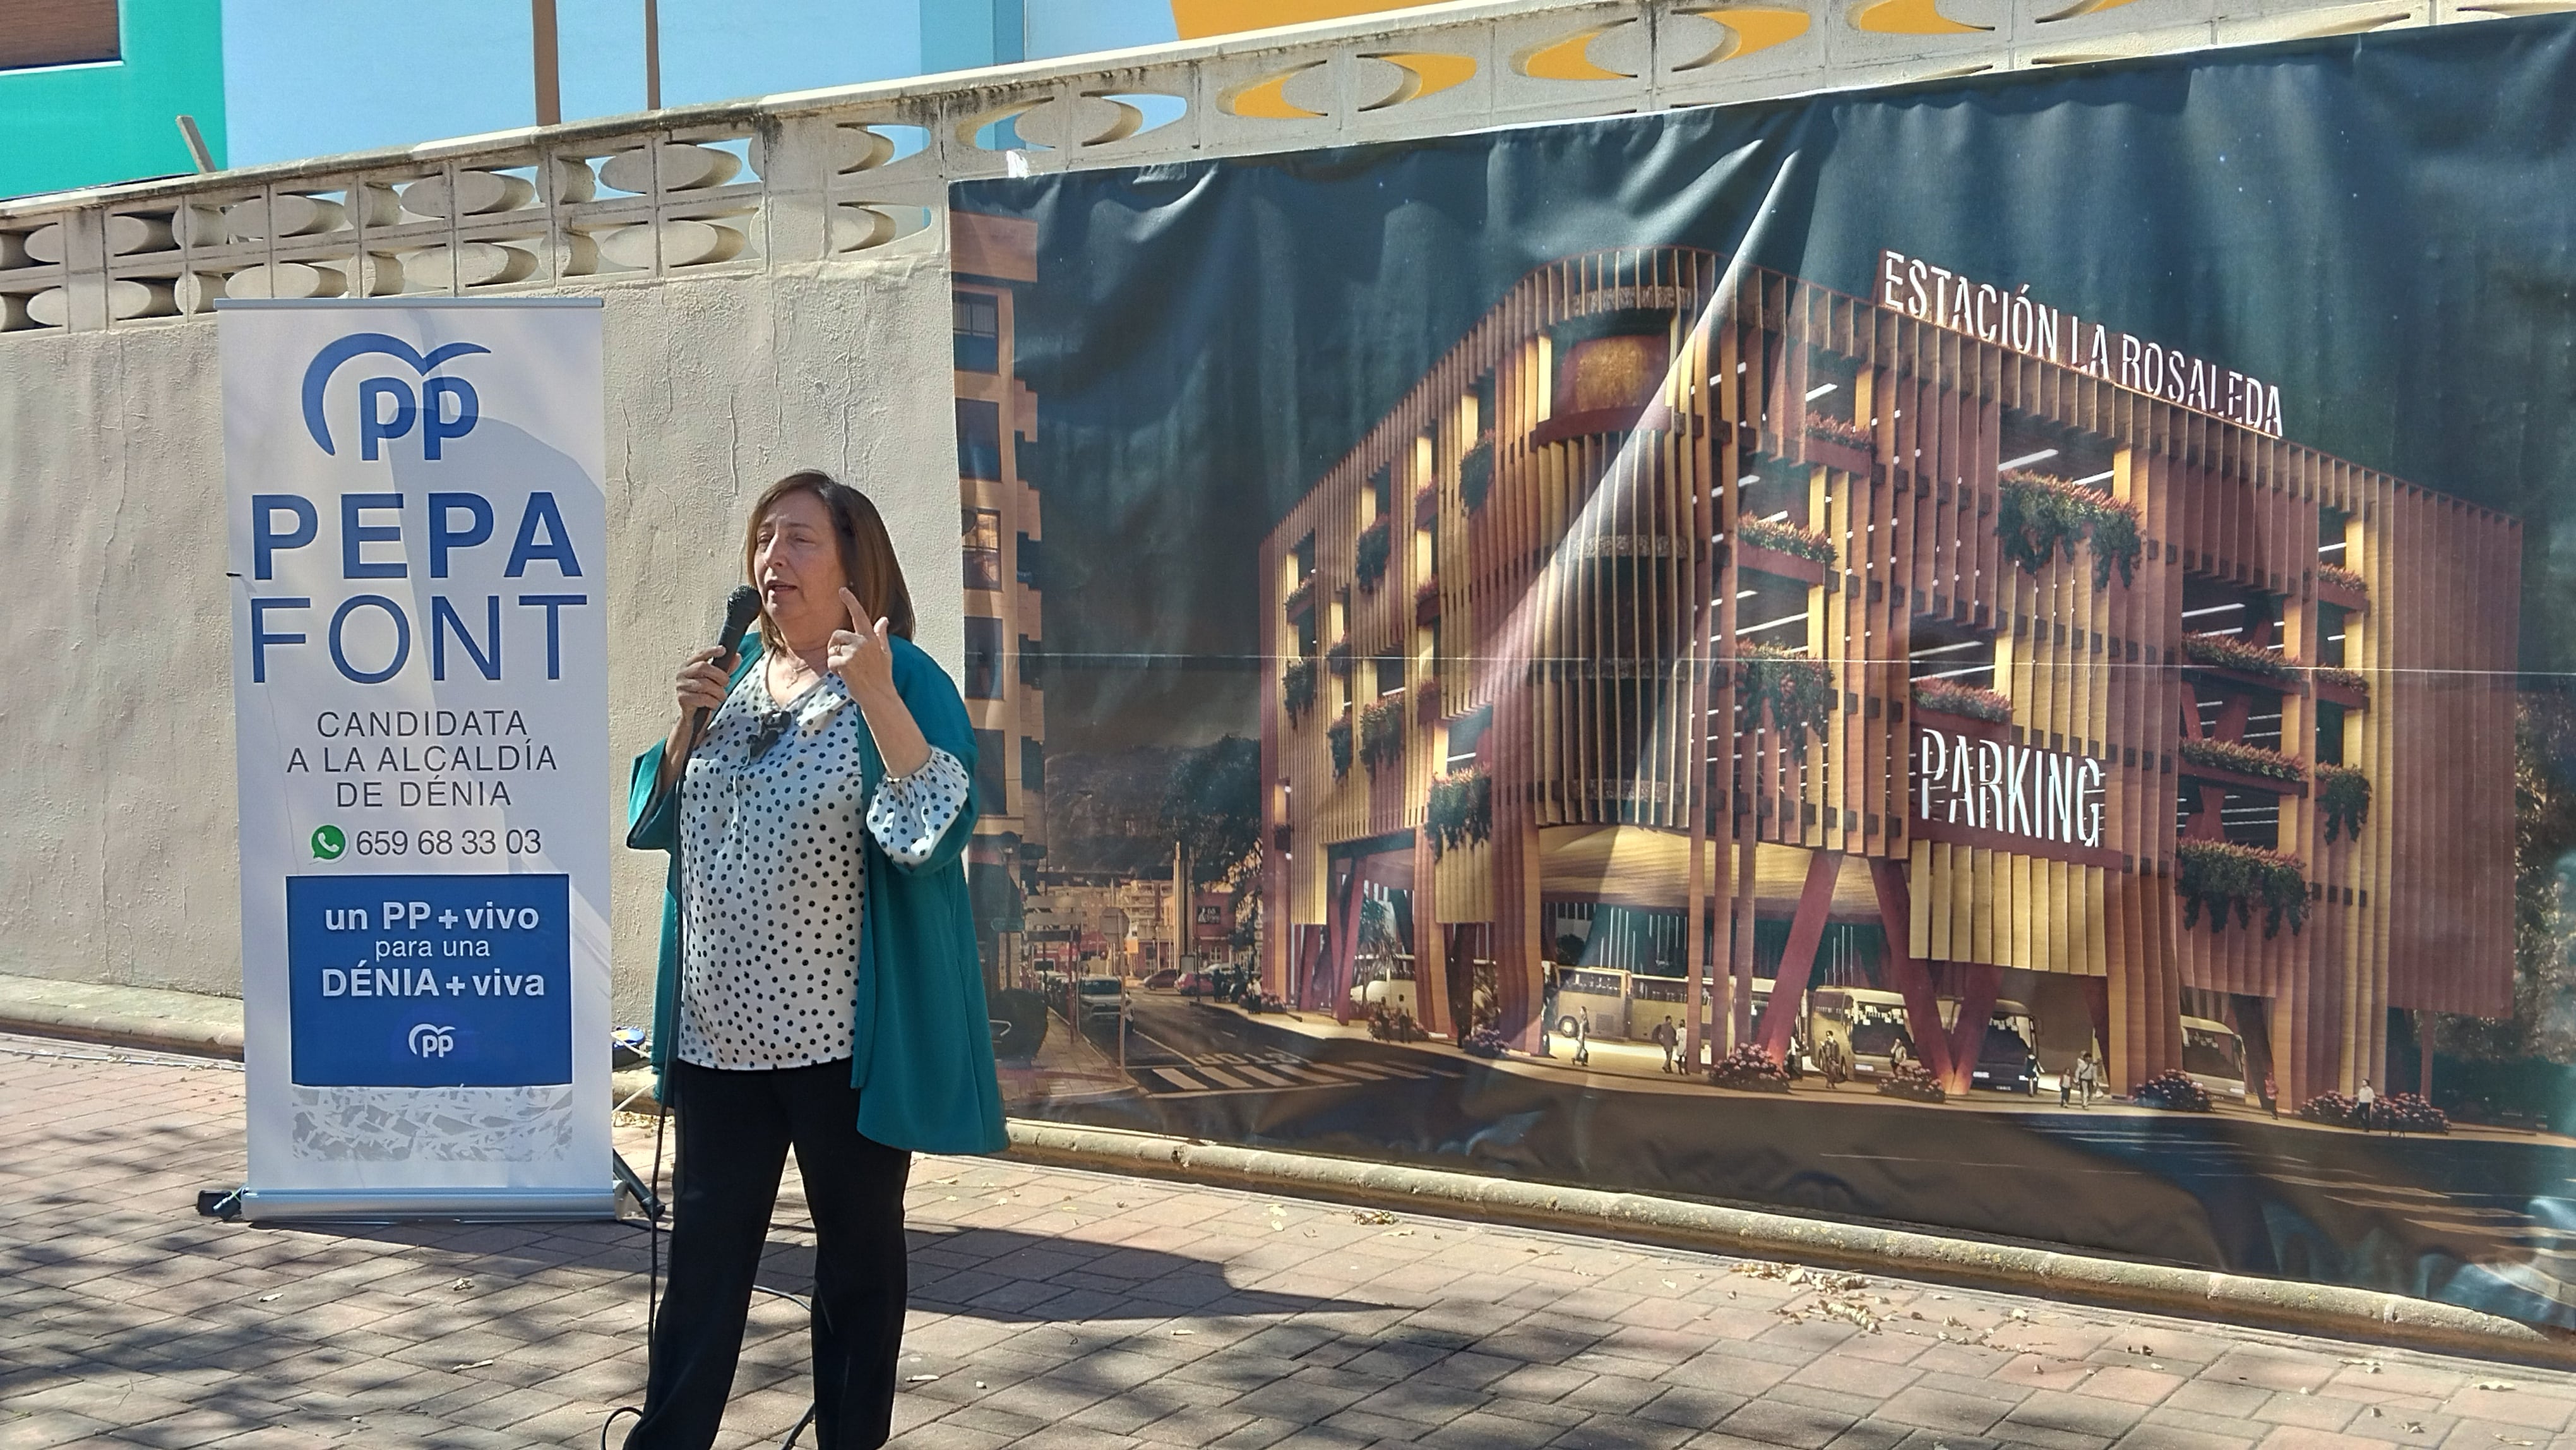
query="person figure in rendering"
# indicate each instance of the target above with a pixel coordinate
(2272, 1095)
(1583, 1038)
(2085, 1076)
(1546, 1008)
(2366, 1104)
(1668, 1039)
(819, 983)
(2066, 1086)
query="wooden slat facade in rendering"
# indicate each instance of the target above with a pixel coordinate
(1575, 628)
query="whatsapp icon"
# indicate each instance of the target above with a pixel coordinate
(328, 843)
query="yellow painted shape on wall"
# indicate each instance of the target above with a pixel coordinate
(1756, 30)
(1267, 99)
(1565, 60)
(973, 125)
(1426, 73)
(1909, 17)
(1199, 19)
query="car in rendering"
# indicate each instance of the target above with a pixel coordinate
(2005, 1062)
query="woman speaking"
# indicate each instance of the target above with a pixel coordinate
(819, 985)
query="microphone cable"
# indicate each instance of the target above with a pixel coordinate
(653, 1231)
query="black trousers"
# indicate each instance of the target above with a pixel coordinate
(734, 1132)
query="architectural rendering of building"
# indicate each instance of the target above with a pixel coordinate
(1940, 641)
(992, 257)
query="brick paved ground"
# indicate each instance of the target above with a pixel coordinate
(1059, 1310)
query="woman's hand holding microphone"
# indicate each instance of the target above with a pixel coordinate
(702, 683)
(700, 686)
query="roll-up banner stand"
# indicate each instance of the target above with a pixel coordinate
(417, 527)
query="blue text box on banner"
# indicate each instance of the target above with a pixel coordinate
(430, 981)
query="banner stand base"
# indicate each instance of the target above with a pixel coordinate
(470, 1205)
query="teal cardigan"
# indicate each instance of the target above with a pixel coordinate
(921, 1045)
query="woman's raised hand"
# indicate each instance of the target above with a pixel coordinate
(702, 682)
(862, 657)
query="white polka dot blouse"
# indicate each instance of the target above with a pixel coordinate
(770, 850)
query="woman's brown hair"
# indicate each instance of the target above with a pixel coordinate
(859, 535)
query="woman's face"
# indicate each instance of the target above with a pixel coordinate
(797, 566)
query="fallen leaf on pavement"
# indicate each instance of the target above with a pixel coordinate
(919, 1379)
(478, 1364)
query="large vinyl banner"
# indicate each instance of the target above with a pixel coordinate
(1987, 655)
(420, 687)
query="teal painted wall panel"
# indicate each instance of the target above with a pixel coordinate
(83, 125)
(969, 34)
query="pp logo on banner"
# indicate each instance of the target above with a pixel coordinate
(430, 1040)
(426, 406)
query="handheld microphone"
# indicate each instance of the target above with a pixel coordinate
(741, 608)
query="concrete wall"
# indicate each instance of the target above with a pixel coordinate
(117, 845)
